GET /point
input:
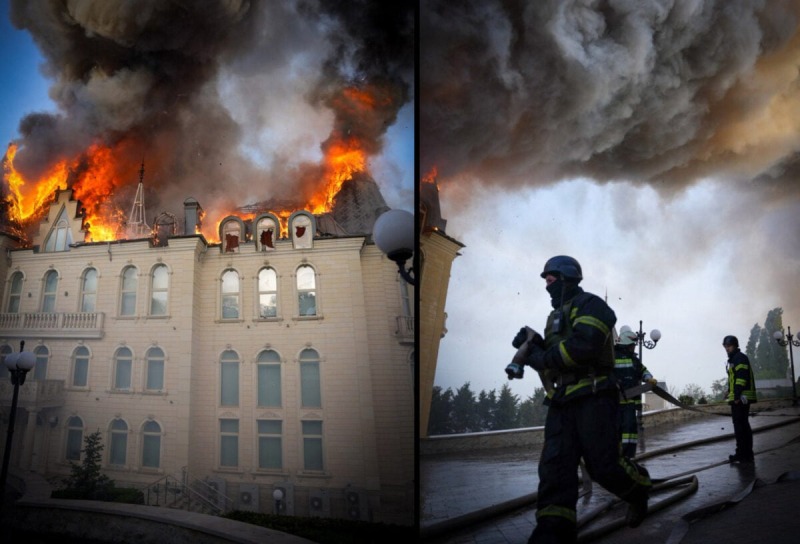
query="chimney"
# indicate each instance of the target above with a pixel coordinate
(192, 216)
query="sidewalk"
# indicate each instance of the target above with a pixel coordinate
(466, 484)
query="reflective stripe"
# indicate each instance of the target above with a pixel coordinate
(584, 382)
(557, 511)
(592, 322)
(568, 361)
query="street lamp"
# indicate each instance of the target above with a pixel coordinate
(778, 336)
(18, 364)
(655, 334)
(277, 494)
(394, 235)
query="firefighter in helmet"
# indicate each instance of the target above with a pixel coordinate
(629, 372)
(741, 394)
(577, 352)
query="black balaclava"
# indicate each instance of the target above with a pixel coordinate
(561, 291)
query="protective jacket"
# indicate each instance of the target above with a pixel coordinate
(629, 372)
(740, 377)
(579, 348)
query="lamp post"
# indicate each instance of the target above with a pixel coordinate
(18, 364)
(277, 494)
(655, 335)
(789, 341)
(394, 235)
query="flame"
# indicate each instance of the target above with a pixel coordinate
(430, 177)
(95, 173)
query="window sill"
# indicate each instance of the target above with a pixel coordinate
(307, 318)
(155, 392)
(316, 474)
(271, 472)
(120, 391)
(229, 320)
(230, 470)
(277, 318)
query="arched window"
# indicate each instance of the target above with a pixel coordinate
(74, 438)
(151, 444)
(267, 232)
(229, 378)
(89, 290)
(40, 367)
(60, 237)
(80, 367)
(267, 293)
(159, 290)
(310, 391)
(232, 235)
(118, 450)
(306, 291)
(49, 291)
(155, 369)
(230, 294)
(130, 285)
(15, 293)
(269, 378)
(123, 363)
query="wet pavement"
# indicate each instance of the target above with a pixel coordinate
(487, 497)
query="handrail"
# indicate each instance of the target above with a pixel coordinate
(172, 489)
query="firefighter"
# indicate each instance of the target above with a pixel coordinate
(577, 352)
(741, 394)
(629, 372)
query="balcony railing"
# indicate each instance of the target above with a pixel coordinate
(53, 325)
(405, 329)
(34, 394)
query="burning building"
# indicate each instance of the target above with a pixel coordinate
(263, 361)
(226, 326)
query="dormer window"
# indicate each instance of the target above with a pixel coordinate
(301, 230)
(232, 234)
(60, 236)
(267, 232)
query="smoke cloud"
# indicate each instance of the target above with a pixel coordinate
(648, 91)
(230, 101)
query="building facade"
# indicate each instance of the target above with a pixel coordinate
(266, 361)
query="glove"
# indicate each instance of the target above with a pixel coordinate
(743, 399)
(515, 371)
(652, 381)
(520, 338)
(536, 358)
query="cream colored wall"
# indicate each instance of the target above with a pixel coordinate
(367, 389)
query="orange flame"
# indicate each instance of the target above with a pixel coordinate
(430, 177)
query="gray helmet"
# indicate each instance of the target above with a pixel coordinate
(567, 267)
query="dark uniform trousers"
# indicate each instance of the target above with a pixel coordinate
(582, 427)
(741, 430)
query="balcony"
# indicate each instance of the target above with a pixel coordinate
(405, 329)
(52, 325)
(33, 394)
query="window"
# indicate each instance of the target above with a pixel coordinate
(306, 291)
(40, 367)
(5, 349)
(60, 237)
(230, 294)
(123, 362)
(270, 447)
(159, 290)
(229, 378)
(155, 369)
(312, 445)
(269, 378)
(310, 396)
(89, 290)
(229, 442)
(15, 293)
(267, 293)
(266, 233)
(49, 292)
(80, 366)
(118, 450)
(151, 444)
(130, 284)
(232, 234)
(74, 438)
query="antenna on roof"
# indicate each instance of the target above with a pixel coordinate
(137, 226)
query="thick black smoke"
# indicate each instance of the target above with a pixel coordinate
(187, 86)
(663, 92)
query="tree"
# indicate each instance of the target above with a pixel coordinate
(440, 419)
(85, 480)
(532, 411)
(487, 405)
(507, 413)
(719, 389)
(693, 391)
(465, 413)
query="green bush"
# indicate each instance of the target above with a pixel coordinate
(329, 531)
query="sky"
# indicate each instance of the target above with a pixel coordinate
(232, 102)
(655, 142)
